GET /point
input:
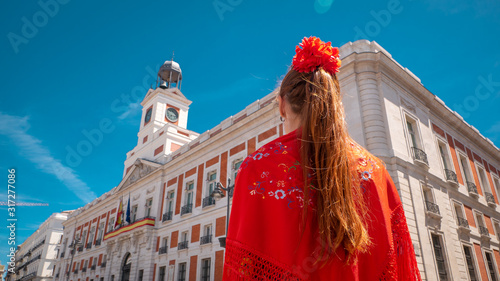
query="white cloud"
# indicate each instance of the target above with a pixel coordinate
(15, 128)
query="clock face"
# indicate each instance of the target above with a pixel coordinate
(172, 114)
(147, 118)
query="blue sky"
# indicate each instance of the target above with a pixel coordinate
(68, 66)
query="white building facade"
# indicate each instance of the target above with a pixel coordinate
(447, 174)
(37, 255)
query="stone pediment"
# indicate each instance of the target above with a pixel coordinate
(140, 169)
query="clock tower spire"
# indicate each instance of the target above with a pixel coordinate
(163, 126)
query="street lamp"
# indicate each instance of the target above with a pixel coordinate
(217, 194)
(75, 244)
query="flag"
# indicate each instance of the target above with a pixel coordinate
(127, 218)
(119, 214)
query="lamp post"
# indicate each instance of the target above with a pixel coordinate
(76, 243)
(217, 194)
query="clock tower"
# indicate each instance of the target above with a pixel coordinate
(163, 127)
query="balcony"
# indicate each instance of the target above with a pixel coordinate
(208, 201)
(163, 250)
(187, 209)
(451, 177)
(103, 264)
(463, 224)
(471, 187)
(62, 255)
(167, 216)
(143, 222)
(420, 157)
(89, 245)
(80, 249)
(98, 242)
(57, 275)
(484, 232)
(84, 269)
(206, 239)
(76, 271)
(92, 267)
(182, 245)
(490, 199)
(432, 209)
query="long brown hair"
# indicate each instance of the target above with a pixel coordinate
(326, 156)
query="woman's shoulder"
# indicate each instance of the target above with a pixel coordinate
(281, 149)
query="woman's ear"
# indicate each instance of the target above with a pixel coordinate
(281, 103)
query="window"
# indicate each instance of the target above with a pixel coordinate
(184, 241)
(205, 269)
(482, 180)
(416, 146)
(443, 152)
(101, 230)
(207, 234)
(188, 203)
(236, 167)
(497, 229)
(189, 193)
(465, 169)
(439, 255)
(170, 201)
(481, 225)
(431, 207)
(162, 274)
(411, 126)
(212, 178)
(110, 224)
(91, 237)
(461, 221)
(164, 248)
(141, 274)
(182, 272)
(133, 214)
(497, 185)
(489, 265)
(149, 203)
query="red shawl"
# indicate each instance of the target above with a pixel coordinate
(265, 241)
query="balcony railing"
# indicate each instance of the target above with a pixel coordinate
(489, 198)
(167, 216)
(98, 242)
(84, 269)
(89, 245)
(483, 231)
(463, 222)
(208, 201)
(451, 176)
(80, 249)
(57, 275)
(419, 154)
(182, 245)
(163, 250)
(187, 209)
(206, 239)
(103, 264)
(92, 267)
(62, 255)
(76, 271)
(471, 187)
(431, 207)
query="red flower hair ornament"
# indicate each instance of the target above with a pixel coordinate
(313, 53)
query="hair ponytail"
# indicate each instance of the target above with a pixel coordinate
(326, 156)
